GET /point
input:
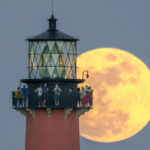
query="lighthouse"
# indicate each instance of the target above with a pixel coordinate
(52, 114)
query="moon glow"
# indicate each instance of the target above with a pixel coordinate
(121, 99)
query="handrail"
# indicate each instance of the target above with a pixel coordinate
(19, 102)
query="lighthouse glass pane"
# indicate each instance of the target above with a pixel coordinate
(52, 59)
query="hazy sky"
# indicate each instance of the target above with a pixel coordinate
(123, 24)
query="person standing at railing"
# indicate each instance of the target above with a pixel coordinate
(78, 98)
(24, 92)
(57, 91)
(85, 90)
(18, 98)
(82, 95)
(86, 99)
(91, 96)
(45, 95)
(39, 92)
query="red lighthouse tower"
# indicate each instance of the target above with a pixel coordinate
(50, 98)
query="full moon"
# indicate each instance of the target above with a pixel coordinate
(121, 98)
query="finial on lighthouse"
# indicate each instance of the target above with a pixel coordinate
(52, 20)
(52, 7)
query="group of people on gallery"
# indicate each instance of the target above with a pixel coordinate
(42, 92)
(86, 96)
(20, 97)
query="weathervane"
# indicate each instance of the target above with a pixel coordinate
(52, 7)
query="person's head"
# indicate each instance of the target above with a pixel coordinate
(45, 84)
(40, 85)
(56, 86)
(86, 86)
(82, 88)
(24, 86)
(18, 88)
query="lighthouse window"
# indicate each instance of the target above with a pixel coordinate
(55, 49)
(52, 59)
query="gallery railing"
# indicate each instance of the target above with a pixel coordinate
(67, 100)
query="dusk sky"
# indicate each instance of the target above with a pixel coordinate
(122, 24)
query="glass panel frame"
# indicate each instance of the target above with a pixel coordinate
(45, 55)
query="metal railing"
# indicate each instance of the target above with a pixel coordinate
(32, 101)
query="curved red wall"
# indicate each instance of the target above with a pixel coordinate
(52, 133)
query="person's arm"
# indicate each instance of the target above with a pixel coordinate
(35, 90)
(21, 91)
(60, 89)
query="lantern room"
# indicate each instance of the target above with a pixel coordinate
(52, 54)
